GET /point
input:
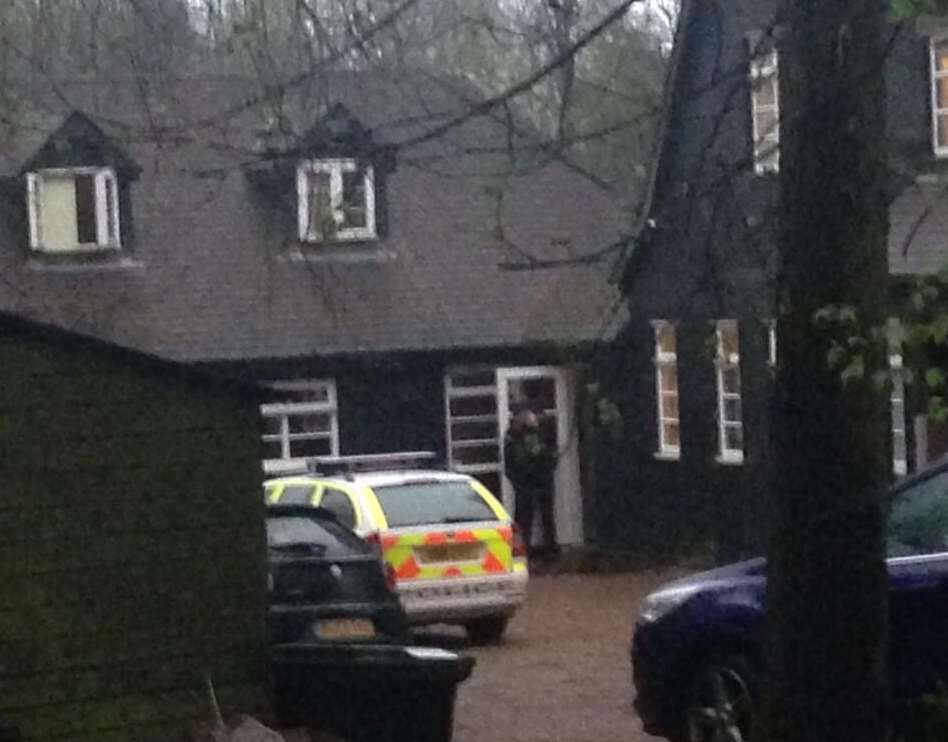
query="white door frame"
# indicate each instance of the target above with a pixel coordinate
(568, 503)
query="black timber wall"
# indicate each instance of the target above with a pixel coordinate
(132, 552)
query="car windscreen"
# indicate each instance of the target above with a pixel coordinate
(425, 503)
(287, 531)
(918, 519)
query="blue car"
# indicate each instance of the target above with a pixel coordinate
(696, 648)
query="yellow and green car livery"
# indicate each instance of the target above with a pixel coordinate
(453, 549)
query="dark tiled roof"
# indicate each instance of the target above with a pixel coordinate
(213, 274)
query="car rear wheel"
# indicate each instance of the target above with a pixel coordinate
(720, 701)
(486, 630)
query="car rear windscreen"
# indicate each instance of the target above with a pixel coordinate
(426, 503)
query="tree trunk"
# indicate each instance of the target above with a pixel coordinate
(827, 582)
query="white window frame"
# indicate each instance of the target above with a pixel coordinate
(106, 213)
(937, 75)
(663, 360)
(765, 67)
(772, 344)
(285, 410)
(334, 168)
(723, 364)
(897, 406)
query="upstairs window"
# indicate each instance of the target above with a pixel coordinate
(939, 71)
(666, 383)
(73, 210)
(336, 201)
(765, 112)
(728, 370)
(301, 422)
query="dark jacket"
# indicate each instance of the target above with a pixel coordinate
(529, 460)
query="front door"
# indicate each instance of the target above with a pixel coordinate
(548, 390)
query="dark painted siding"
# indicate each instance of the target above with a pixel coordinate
(712, 255)
(131, 547)
(396, 406)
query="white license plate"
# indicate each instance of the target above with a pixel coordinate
(344, 628)
(457, 591)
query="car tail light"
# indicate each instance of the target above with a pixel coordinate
(519, 548)
(375, 539)
(391, 579)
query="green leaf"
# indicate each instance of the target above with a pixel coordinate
(934, 377)
(848, 314)
(824, 315)
(918, 301)
(880, 379)
(854, 371)
(835, 355)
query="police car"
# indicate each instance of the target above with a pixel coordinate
(452, 549)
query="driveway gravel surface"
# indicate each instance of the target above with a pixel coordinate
(562, 673)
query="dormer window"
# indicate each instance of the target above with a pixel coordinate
(939, 72)
(765, 112)
(336, 200)
(73, 210)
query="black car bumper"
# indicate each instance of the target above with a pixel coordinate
(654, 688)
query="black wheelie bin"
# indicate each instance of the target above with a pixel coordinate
(378, 692)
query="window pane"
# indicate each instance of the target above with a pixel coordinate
(468, 406)
(353, 200)
(670, 430)
(670, 406)
(473, 431)
(110, 208)
(58, 212)
(918, 521)
(730, 381)
(767, 123)
(310, 447)
(85, 209)
(668, 374)
(321, 423)
(488, 453)
(436, 502)
(297, 494)
(765, 91)
(272, 449)
(734, 438)
(941, 55)
(339, 505)
(665, 338)
(732, 410)
(321, 220)
(727, 334)
(273, 425)
(942, 122)
(473, 377)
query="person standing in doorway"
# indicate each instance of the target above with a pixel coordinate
(529, 464)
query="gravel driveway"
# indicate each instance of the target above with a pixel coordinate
(562, 674)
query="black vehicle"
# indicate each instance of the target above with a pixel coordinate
(326, 583)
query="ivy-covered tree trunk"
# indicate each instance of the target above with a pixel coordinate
(827, 583)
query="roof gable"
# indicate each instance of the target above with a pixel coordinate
(79, 142)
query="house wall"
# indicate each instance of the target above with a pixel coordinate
(132, 552)
(711, 254)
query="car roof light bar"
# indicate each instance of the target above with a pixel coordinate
(370, 462)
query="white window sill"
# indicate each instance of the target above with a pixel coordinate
(64, 265)
(667, 455)
(336, 253)
(730, 458)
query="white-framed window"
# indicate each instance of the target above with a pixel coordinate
(666, 389)
(897, 404)
(727, 364)
(73, 210)
(302, 421)
(939, 80)
(765, 112)
(336, 201)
